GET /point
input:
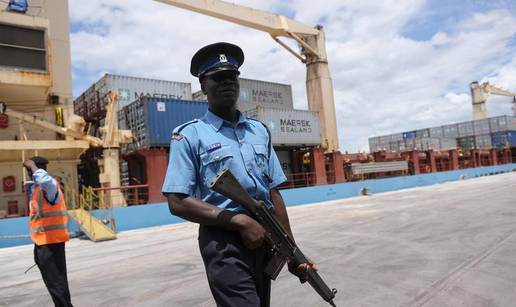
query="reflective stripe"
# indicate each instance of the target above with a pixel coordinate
(40, 200)
(47, 214)
(47, 228)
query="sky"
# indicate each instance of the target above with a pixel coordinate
(396, 65)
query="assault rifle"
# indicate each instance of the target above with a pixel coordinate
(282, 246)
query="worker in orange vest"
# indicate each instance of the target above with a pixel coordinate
(48, 229)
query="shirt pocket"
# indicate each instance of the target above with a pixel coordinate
(261, 156)
(214, 161)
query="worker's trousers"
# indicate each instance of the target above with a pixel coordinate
(235, 273)
(51, 262)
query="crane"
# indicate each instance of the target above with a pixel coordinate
(479, 93)
(111, 139)
(319, 86)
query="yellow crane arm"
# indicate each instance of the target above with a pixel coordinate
(47, 125)
(493, 90)
(273, 24)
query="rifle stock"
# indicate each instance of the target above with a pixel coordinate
(282, 246)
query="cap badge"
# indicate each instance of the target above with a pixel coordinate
(222, 58)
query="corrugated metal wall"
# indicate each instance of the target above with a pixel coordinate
(153, 120)
(255, 93)
(92, 103)
(289, 127)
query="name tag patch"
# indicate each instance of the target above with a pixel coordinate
(213, 147)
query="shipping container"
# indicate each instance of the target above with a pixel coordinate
(199, 96)
(483, 141)
(409, 135)
(465, 129)
(450, 131)
(423, 133)
(504, 139)
(285, 160)
(254, 93)
(436, 132)
(410, 144)
(152, 120)
(289, 127)
(385, 139)
(396, 137)
(502, 123)
(373, 148)
(466, 143)
(424, 144)
(481, 127)
(374, 140)
(129, 89)
(447, 144)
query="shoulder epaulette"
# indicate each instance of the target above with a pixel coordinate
(181, 127)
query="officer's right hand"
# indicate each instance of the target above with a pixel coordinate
(250, 230)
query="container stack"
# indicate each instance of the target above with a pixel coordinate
(91, 104)
(485, 133)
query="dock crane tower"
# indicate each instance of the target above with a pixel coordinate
(479, 93)
(319, 86)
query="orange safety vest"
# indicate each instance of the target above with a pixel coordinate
(48, 223)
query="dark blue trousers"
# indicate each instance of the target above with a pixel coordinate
(51, 262)
(235, 273)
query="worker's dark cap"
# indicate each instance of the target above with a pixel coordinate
(216, 57)
(39, 161)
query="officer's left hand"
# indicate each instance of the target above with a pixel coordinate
(301, 269)
(30, 165)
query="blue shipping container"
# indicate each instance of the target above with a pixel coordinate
(409, 135)
(152, 120)
(504, 139)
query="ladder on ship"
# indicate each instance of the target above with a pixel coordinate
(92, 213)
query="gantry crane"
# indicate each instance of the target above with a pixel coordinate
(479, 93)
(319, 86)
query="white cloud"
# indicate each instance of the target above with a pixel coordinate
(384, 82)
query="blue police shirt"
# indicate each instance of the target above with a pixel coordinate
(201, 148)
(46, 183)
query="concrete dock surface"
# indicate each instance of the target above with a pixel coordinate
(451, 244)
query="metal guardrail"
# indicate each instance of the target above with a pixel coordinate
(378, 167)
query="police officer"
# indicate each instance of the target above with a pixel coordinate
(231, 242)
(48, 229)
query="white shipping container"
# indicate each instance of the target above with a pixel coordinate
(424, 144)
(130, 89)
(397, 137)
(289, 127)
(255, 93)
(423, 133)
(481, 126)
(436, 132)
(450, 131)
(199, 96)
(448, 144)
(385, 139)
(466, 129)
(483, 141)
(410, 144)
(502, 123)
